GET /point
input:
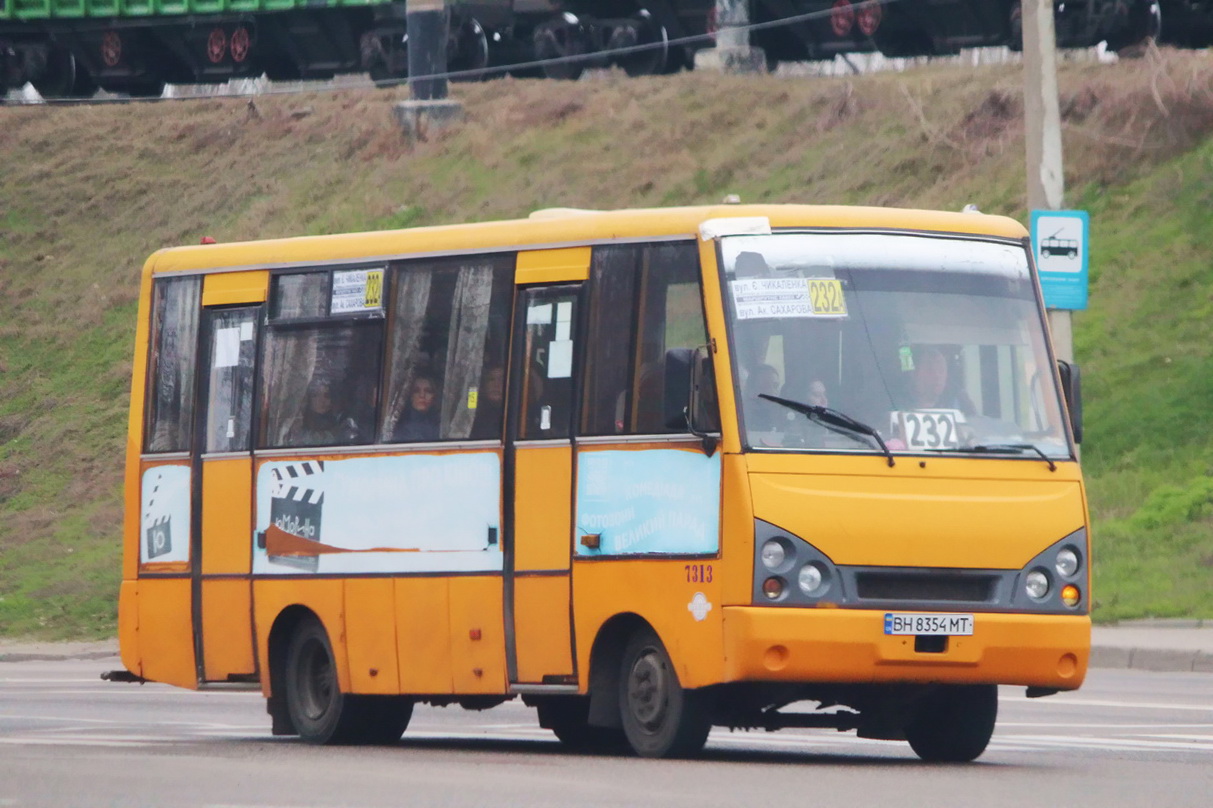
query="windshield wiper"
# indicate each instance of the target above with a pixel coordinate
(832, 420)
(1003, 448)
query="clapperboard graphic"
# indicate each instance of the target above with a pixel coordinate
(296, 504)
(158, 530)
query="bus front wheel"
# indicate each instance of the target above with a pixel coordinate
(321, 713)
(954, 723)
(660, 718)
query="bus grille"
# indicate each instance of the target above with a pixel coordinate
(925, 587)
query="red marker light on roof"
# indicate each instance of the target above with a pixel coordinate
(208, 239)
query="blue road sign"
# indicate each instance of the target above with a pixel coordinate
(1060, 244)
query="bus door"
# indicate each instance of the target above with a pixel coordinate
(539, 488)
(220, 554)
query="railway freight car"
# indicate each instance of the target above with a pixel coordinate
(70, 47)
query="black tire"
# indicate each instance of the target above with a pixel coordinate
(321, 713)
(954, 723)
(567, 718)
(660, 718)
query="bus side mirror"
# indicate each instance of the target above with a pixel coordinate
(690, 391)
(677, 388)
(1071, 389)
(705, 414)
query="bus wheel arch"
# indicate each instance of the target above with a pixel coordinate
(308, 691)
(606, 657)
(659, 717)
(278, 644)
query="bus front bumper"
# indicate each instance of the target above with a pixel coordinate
(849, 645)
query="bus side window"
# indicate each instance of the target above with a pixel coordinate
(319, 367)
(169, 415)
(671, 316)
(446, 349)
(613, 278)
(646, 300)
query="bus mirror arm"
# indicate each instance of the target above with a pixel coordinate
(690, 395)
(1071, 389)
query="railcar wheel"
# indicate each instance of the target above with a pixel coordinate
(644, 30)
(660, 718)
(954, 723)
(321, 713)
(60, 75)
(1143, 21)
(467, 48)
(563, 40)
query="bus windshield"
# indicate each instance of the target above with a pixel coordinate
(934, 343)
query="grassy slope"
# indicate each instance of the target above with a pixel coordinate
(86, 194)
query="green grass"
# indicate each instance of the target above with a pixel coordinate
(87, 193)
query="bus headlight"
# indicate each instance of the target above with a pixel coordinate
(1066, 562)
(1036, 584)
(812, 580)
(773, 554)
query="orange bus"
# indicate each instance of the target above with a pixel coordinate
(650, 471)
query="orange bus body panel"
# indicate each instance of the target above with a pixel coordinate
(542, 628)
(166, 646)
(227, 638)
(657, 590)
(477, 635)
(323, 597)
(370, 604)
(423, 634)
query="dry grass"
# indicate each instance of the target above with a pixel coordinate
(86, 193)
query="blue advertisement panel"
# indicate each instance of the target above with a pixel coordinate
(657, 501)
(408, 513)
(1060, 241)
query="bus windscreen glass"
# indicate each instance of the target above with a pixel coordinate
(936, 343)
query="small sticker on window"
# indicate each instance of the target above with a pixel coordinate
(357, 290)
(227, 347)
(539, 315)
(473, 397)
(560, 359)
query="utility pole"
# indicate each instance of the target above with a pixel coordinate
(425, 21)
(1042, 135)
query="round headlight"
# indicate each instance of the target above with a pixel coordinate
(811, 580)
(1036, 584)
(773, 554)
(1066, 562)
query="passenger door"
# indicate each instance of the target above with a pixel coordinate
(221, 553)
(539, 486)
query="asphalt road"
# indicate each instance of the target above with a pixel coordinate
(1128, 738)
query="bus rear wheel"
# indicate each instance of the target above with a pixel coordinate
(320, 712)
(954, 723)
(660, 718)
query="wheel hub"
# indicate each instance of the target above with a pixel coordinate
(646, 691)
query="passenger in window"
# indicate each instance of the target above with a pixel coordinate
(931, 387)
(490, 403)
(322, 422)
(421, 420)
(763, 415)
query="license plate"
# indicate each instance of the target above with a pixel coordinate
(931, 625)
